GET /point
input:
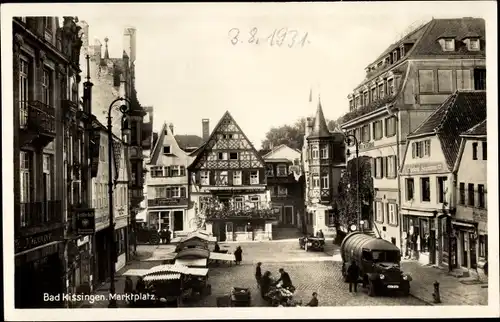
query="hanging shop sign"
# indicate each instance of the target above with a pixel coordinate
(85, 221)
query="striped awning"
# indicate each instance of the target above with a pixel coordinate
(176, 268)
(162, 277)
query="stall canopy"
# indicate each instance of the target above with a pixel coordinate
(136, 272)
(162, 277)
(199, 234)
(193, 253)
(197, 262)
(198, 271)
(222, 257)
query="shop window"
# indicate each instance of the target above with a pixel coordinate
(470, 190)
(425, 185)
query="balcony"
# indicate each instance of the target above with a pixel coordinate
(163, 202)
(39, 213)
(37, 123)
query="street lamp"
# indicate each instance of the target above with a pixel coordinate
(349, 138)
(124, 110)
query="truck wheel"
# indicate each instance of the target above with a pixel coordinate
(371, 289)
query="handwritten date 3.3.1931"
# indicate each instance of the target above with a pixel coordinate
(278, 37)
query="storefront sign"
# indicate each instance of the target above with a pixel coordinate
(36, 240)
(85, 221)
(422, 168)
(167, 202)
(366, 145)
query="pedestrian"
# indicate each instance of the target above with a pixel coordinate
(216, 247)
(265, 285)
(140, 286)
(286, 281)
(258, 273)
(353, 276)
(320, 234)
(129, 288)
(168, 234)
(314, 301)
(237, 255)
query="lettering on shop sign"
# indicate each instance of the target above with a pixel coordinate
(85, 221)
(29, 242)
(424, 168)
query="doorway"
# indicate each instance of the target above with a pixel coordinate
(288, 215)
(178, 220)
(465, 248)
(222, 232)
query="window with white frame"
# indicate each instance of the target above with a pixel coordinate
(26, 161)
(46, 87)
(391, 166)
(254, 177)
(390, 86)
(378, 130)
(221, 178)
(255, 200)
(381, 91)
(365, 133)
(221, 156)
(379, 167)
(421, 149)
(390, 126)
(379, 213)
(205, 178)
(449, 44)
(156, 171)
(233, 156)
(393, 216)
(282, 191)
(315, 152)
(237, 178)
(175, 192)
(281, 170)
(239, 202)
(324, 152)
(48, 168)
(315, 181)
(366, 98)
(325, 181)
(23, 91)
(373, 94)
(474, 44)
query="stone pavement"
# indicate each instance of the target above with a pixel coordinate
(451, 289)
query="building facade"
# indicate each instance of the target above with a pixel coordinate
(286, 188)
(471, 197)
(167, 185)
(323, 158)
(45, 68)
(402, 87)
(428, 203)
(228, 186)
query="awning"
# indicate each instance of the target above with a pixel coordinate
(177, 268)
(417, 213)
(464, 224)
(162, 277)
(222, 257)
(136, 272)
(198, 271)
(191, 261)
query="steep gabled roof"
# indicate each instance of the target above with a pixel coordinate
(458, 28)
(188, 141)
(281, 146)
(199, 152)
(477, 130)
(320, 128)
(461, 111)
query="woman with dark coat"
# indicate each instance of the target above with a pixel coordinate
(258, 273)
(265, 285)
(237, 255)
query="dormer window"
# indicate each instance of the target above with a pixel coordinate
(402, 51)
(474, 44)
(390, 86)
(366, 98)
(449, 44)
(351, 105)
(395, 56)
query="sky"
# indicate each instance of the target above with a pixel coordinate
(188, 69)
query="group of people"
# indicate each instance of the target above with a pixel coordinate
(140, 286)
(265, 282)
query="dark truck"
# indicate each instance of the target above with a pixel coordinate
(378, 261)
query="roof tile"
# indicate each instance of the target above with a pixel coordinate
(479, 129)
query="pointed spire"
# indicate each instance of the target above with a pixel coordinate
(106, 53)
(320, 129)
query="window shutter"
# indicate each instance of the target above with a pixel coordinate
(230, 174)
(395, 158)
(168, 193)
(413, 150)
(374, 167)
(183, 192)
(396, 217)
(197, 177)
(386, 213)
(386, 167)
(262, 176)
(212, 178)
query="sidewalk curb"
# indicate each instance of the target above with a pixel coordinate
(423, 300)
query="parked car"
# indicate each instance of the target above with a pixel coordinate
(312, 243)
(378, 261)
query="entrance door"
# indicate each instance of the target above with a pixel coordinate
(465, 248)
(178, 220)
(473, 254)
(288, 215)
(432, 246)
(222, 232)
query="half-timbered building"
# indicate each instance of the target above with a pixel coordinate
(228, 186)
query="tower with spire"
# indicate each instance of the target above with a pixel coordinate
(323, 156)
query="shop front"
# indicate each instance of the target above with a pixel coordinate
(466, 250)
(79, 266)
(39, 270)
(240, 229)
(121, 237)
(419, 237)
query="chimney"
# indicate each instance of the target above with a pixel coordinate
(171, 126)
(205, 132)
